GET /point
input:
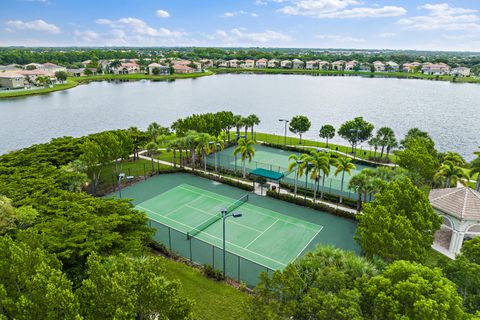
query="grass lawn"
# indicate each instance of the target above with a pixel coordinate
(20, 93)
(213, 299)
(140, 76)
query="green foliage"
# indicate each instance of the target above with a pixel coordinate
(411, 291)
(356, 131)
(327, 132)
(322, 285)
(12, 218)
(212, 273)
(211, 123)
(126, 288)
(61, 75)
(398, 224)
(299, 125)
(246, 149)
(471, 250)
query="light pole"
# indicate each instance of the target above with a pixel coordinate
(120, 177)
(225, 215)
(285, 136)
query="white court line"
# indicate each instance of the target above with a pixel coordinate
(261, 234)
(321, 228)
(181, 206)
(229, 221)
(208, 234)
(254, 207)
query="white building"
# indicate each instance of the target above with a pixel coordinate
(460, 72)
(286, 64)
(273, 63)
(261, 63)
(435, 68)
(392, 66)
(249, 64)
(311, 65)
(298, 64)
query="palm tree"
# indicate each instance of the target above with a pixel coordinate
(218, 145)
(455, 158)
(361, 184)
(296, 165)
(450, 171)
(320, 163)
(203, 145)
(238, 123)
(175, 145)
(344, 165)
(375, 143)
(190, 141)
(152, 148)
(475, 169)
(253, 120)
(153, 130)
(247, 151)
(392, 143)
(385, 135)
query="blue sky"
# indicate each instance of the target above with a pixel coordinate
(406, 24)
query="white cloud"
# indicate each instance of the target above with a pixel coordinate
(162, 14)
(340, 9)
(35, 25)
(231, 14)
(443, 17)
(240, 36)
(139, 27)
(387, 35)
(339, 38)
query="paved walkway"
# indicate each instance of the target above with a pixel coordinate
(258, 189)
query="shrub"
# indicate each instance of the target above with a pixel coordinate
(212, 273)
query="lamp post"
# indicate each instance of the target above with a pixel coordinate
(225, 215)
(120, 177)
(285, 136)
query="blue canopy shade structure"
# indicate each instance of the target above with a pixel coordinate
(268, 174)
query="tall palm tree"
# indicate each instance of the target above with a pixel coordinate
(360, 184)
(344, 165)
(385, 135)
(218, 145)
(392, 143)
(253, 120)
(296, 164)
(455, 158)
(326, 169)
(152, 148)
(475, 169)
(238, 123)
(203, 146)
(190, 141)
(375, 143)
(246, 150)
(319, 164)
(175, 145)
(153, 130)
(450, 171)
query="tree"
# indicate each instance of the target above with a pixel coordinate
(238, 122)
(203, 146)
(156, 71)
(61, 76)
(454, 158)
(414, 134)
(246, 150)
(399, 224)
(475, 170)
(324, 284)
(344, 165)
(74, 176)
(375, 143)
(253, 120)
(385, 137)
(299, 125)
(32, 285)
(320, 167)
(217, 145)
(152, 149)
(360, 184)
(471, 250)
(154, 130)
(451, 172)
(297, 164)
(408, 290)
(356, 131)
(94, 157)
(130, 288)
(12, 219)
(327, 132)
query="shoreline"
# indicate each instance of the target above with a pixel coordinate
(72, 82)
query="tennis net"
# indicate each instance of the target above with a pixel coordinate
(216, 217)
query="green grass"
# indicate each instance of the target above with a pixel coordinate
(140, 76)
(213, 299)
(21, 93)
(403, 75)
(278, 139)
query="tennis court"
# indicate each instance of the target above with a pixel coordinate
(261, 235)
(277, 160)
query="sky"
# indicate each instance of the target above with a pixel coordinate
(362, 24)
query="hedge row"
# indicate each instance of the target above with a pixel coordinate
(317, 206)
(224, 180)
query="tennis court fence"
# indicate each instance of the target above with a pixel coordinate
(204, 253)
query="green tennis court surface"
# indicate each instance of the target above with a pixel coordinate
(264, 236)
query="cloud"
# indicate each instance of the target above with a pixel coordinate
(162, 14)
(139, 27)
(231, 14)
(34, 25)
(387, 35)
(240, 36)
(340, 9)
(443, 17)
(339, 38)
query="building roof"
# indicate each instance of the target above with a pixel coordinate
(268, 174)
(158, 65)
(11, 75)
(463, 203)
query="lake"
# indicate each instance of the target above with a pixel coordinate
(450, 112)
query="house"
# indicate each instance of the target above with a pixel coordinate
(460, 72)
(86, 62)
(222, 64)
(312, 64)
(127, 68)
(379, 66)
(323, 65)
(32, 66)
(32, 75)
(206, 63)
(76, 72)
(104, 64)
(298, 64)
(351, 65)
(411, 67)
(249, 64)
(12, 81)
(392, 66)
(338, 65)
(182, 69)
(152, 69)
(365, 67)
(233, 63)
(273, 63)
(10, 67)
(51, 67)
(261, 63)
(460, 210)
(435, 68)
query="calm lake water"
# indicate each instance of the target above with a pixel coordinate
(450, 112)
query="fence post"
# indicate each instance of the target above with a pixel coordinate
(190, 240)
(169, 239)
(238, 268)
